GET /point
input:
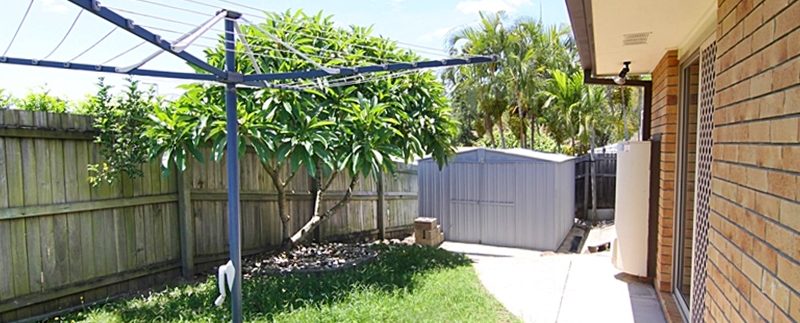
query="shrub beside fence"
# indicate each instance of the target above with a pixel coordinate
(64, 243)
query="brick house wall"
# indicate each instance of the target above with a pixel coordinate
(754, 236)
(664, 120)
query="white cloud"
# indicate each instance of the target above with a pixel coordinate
(475, 6)
(434, 35)
(55, 6)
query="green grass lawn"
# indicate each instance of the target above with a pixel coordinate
(405, 284)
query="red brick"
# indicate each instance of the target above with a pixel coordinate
(790, 155)
(780, 238)
(758, 131)
(782, 184)
(772, 105)
(786, 74)
(757, 178)
(762, 304)
(790, 214)
(765, 255)
(764, 34)
(769, 156)
(784, 130)
(761, 84)
(776, 291)
(792, 103)
(788, 271)
(788, 20)
(794, 306)
(752, 270)
(772, 7)
(776, 53)
(780, 317)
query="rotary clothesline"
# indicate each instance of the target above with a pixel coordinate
(322, 75)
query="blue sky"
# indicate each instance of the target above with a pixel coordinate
(418, 22)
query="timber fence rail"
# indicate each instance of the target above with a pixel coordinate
(64, 243)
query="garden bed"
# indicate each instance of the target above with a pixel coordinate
(313, 258)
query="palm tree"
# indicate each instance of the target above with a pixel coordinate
(486, 81)
(562, 107)
(505, 94)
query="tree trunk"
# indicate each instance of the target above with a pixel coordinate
(285, 218)
(572, 143)
(533, 131)
(489, 128)
(317, 219)
(522, 128)
(283, 212)
(316, 188)
(502, 133)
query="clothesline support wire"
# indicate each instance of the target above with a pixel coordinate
(231, 78)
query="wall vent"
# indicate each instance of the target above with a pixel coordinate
(635, 38)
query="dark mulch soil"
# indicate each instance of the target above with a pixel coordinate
(309, 258)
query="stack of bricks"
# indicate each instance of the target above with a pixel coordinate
(427, 232)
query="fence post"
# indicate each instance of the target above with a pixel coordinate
(186, 221)
(585, 173)
(381, 208)
(593, 176)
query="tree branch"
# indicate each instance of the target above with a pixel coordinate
(315, 220)
(273, 174)
(289, 179)
(330, 181)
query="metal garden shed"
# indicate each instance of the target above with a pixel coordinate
(504, 197)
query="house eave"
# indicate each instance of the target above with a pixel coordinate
(580, 16)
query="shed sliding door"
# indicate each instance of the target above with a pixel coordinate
(482, 204)
(464, 219)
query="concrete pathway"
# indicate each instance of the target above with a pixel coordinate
(547, 287)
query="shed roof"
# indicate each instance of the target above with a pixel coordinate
(518, 152)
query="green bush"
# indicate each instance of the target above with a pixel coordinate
(42, 101)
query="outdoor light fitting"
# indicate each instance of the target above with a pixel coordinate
(623, 74)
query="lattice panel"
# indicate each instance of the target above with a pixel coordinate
(705, 116)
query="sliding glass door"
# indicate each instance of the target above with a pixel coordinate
(685, 188)
(693, 180)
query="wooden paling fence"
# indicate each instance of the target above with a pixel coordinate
(64, 243)
(606, 185)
